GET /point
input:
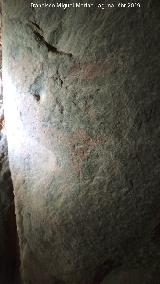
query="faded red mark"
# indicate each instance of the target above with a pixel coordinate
(79, 145)
(90, 71)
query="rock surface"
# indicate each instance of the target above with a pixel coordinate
(9, 254)
(81, 98)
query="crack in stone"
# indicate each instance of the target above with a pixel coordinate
(38, 34)
(36, 26)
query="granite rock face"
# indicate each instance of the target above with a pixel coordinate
(9, 255)
(81, 99)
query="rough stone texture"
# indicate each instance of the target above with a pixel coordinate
(9, 254)
(82, 114)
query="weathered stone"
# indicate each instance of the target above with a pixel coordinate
(82, 114)
(133, 276)
(9, 252)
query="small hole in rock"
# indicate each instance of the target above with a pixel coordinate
(37, 97)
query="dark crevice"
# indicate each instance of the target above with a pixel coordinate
(61, 108)
(9, 256)
(36, 96)
(39, 37)
(59, 78)
(13, 264)
(36, 26)
(50, 48)
(103, 270)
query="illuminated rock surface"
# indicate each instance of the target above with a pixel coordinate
(81, 91)
(9, 255)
